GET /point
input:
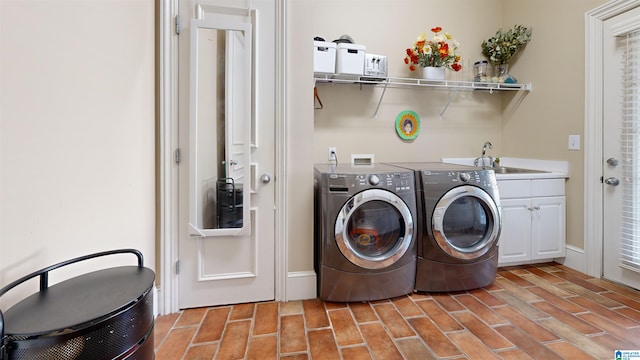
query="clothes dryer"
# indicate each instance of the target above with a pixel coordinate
(365, 246)
(458, 228)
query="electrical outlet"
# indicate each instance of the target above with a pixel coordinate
(333, 155)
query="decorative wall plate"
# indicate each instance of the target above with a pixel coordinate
(408, 124)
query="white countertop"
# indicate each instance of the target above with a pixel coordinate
(554, 169)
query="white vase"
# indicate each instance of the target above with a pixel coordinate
(433, 73)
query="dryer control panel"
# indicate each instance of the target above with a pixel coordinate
(396, 182)
(479, 178)
(434, 183)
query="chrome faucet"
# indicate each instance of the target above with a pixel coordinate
(481, 159)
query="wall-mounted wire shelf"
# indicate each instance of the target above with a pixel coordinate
(413, 83)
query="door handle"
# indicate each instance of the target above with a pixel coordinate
(265, 178)
(613, 161)
(612, 181)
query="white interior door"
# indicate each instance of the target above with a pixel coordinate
(621, 150)
(226, 134)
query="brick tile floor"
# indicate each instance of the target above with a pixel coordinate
(543, 311)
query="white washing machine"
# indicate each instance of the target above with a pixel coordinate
(365, 246)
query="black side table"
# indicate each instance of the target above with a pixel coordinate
(105, 314)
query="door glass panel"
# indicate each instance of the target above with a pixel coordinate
(629, 150)
(465, 223)
(375, 229)
(220, 127)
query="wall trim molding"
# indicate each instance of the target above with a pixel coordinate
(167, 140)
(301, 285)
(281, 165)
(574, 259)
(593, 124)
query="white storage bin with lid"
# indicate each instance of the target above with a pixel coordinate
(350, 59)
(324, 57)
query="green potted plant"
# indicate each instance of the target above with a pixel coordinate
(500, 48)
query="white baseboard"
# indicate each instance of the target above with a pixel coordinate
(575, 259)
(301, 285)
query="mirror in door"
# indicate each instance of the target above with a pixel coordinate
(220, 138)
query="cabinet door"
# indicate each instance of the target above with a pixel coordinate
(515, 238)
(548, 227)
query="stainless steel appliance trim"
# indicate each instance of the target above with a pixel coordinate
(347, 211)
(437, 220)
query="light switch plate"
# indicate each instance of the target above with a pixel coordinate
(574, 142)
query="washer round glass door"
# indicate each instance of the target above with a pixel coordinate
(466, 222)
(374, 228)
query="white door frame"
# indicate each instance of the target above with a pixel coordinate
(167, 141)
(593, 127)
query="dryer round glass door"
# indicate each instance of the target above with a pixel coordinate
(374, 229)
(466, 222)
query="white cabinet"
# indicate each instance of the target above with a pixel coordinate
(515, 237)
(533, 220)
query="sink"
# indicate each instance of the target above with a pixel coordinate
(513, 170)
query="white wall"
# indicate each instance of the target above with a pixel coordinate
(385, 27)
(389, 28)
(76, 134)
(555, 109)
(536, 127)
(77, 113)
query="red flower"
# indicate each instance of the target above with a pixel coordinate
(438, 52)
(444, 50)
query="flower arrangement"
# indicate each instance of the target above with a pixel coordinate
(500, 48)
(441, 51)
